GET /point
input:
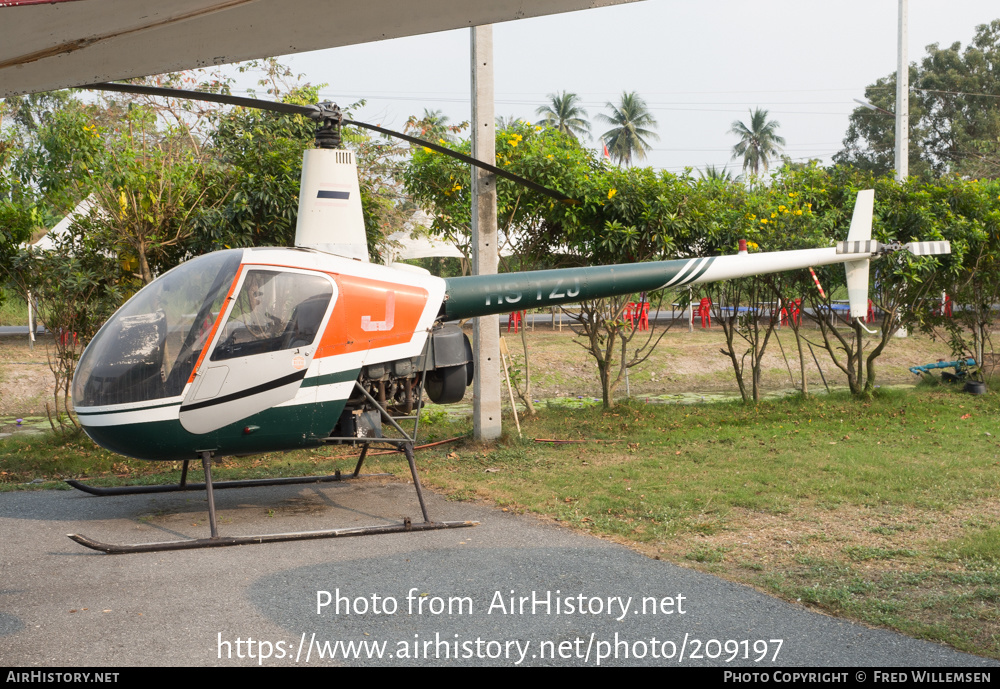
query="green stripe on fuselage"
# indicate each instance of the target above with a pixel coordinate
(290, 427)
(277, 429)
(330, 378)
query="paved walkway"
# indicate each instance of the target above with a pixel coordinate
(61, 604)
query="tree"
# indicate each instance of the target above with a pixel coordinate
(433, 125)
(152, 188)
(564, 113)
(713, 173)
(870, 142)
(628, 215)
(630, 120)
(902, 287)
(758, 141)
(261, 157)
(77, 287)
(547, 156)
(954, 121)
(506, 121)
(745, 308)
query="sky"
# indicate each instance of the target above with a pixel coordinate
(700, 66)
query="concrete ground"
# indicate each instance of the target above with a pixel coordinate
(586, 601)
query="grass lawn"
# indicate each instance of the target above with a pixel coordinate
(886, 512)
(883, 512)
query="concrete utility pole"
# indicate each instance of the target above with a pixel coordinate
(902, 100)
(486, 330)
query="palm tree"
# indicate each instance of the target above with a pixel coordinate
(506, 122)
(758, 142)
(563, 113)
(434, 125)
(627, 139)
(714, 174)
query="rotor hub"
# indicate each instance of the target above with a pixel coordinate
(329, 119)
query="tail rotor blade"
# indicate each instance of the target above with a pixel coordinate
(928, 248)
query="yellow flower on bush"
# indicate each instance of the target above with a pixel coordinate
(798, 212)
(763, 221)
(774, 215)
(427, 150)
(611, 193)
(792, 194)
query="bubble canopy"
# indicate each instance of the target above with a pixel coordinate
(147, 350)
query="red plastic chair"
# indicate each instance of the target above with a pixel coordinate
(643, 315)
(631, 313)
(792, 311)
(704, 310)
(514, 319)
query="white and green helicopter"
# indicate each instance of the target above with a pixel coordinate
(246, 351)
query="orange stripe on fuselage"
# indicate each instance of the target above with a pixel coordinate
(364, 317)
(215, 325)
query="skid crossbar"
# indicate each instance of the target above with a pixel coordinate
(248, 483)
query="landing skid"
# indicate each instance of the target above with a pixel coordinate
(222, 541)
(215, 541)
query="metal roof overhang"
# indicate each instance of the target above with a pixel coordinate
(52, 44)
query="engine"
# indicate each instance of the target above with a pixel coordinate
(446, 370)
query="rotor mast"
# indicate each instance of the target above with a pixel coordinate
(330, 217)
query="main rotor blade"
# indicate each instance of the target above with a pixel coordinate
(534, 186)
(314, 112)
(307, 110)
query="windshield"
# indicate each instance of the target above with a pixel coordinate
(149, 347)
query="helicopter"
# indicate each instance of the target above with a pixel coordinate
(244, 351)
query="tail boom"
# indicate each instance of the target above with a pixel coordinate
(481, 295)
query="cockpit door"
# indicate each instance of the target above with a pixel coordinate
(263, 349)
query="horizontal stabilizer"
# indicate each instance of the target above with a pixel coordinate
(928, 248)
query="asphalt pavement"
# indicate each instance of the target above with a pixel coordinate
(512, 591)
